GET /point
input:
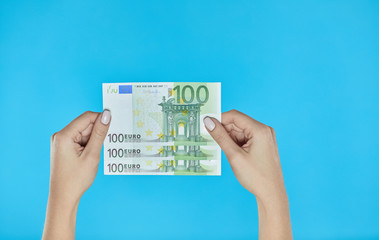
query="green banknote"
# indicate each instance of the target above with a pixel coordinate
(157, 128)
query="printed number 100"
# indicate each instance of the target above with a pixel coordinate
(189, 99)
(115, 167)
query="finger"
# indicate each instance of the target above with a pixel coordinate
(99, 131)
(81, 123)
(236, 134)
(274, 139)
(86, 135)
(241, 121)
(221, 136)
(231, 127)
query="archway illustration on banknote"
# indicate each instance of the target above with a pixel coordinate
(181, 125)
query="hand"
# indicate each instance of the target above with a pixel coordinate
(251, 149)
(75, 156)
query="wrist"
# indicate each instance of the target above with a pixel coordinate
(274, 214)
(63, 203)
(274, 205)
(63, 196)
(62, 207)
(60, 218)
(276, 202)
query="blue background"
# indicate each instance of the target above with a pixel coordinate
(310, 69)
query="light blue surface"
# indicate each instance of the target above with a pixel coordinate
(310, 69)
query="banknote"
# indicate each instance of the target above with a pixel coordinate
(157, 128)
(143, 150)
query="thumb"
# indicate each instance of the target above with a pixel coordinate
(221, 136)
(98, 134)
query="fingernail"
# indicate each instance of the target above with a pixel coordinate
(209, 124)
(105, 117)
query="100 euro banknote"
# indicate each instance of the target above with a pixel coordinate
(157, 128)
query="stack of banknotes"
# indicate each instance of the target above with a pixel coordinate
(157, 128)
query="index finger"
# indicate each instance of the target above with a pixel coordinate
(241, 121)
(81, 123)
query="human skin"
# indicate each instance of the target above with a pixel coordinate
(252, 151)
(249, 145)
(74, 160)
